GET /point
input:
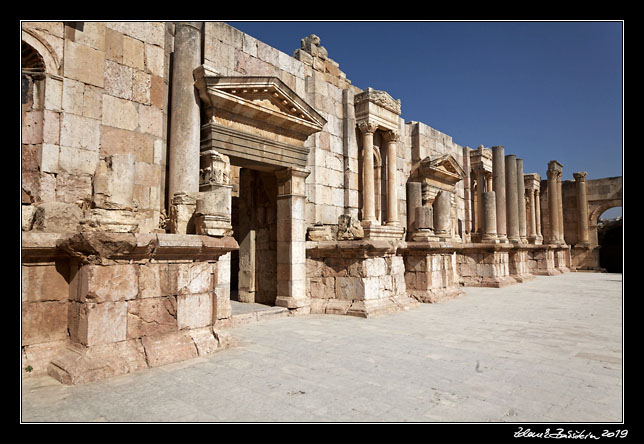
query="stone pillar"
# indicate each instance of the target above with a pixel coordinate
(246, 236)
(553, 207)
(392, 138)
(467, 194)
(185, 124)
(498, 183)
(368, 196)
(582, 205)
(521, 202)
(560, 218)
(291, 239)
(480, 189)
(537, 206)
(512, 201)
(443, 214)
(414, 200)
(489, 218)
(532, 225)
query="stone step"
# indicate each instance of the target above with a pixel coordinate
(244, 313)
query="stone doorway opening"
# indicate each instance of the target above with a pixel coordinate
(254, 219)
(610, 239)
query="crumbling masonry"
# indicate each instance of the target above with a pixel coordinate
(168, 168)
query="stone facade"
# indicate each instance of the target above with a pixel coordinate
(152, 198)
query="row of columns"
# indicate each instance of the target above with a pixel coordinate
(502, 206)
(368, 196)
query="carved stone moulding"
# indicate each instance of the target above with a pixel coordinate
(378, 108)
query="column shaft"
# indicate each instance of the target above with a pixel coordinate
(521, 202)
(532, 236)
(553, 207)
(512, 201)
(537, 205)
(185, 125)
(560, 210)
(489, 218)
(498, 183)
(392, 183)
(582, 205)
(368, 196)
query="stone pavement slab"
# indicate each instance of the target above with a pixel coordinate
(548, 350)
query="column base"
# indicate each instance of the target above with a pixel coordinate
(372, 231)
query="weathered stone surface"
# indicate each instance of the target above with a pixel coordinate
(93, 246)
(114, 182)
(57, 217)
(79, 365)
(169, 347)
(349, 228)
(108, 283)
(92, 324)
(45, 282)
(319, 233)
(151, 316)
(27, 216)
(43, 321)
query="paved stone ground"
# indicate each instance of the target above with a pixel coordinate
(548, 350)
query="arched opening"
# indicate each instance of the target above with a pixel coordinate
(610, 239)
(32, 101)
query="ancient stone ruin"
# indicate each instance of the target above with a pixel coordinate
(153, 200)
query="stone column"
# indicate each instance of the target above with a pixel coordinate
(467, 193)
(537, 206)
(185, 124)
(392, 138)
(442, 214)
(532, 226)
(414, 200)
(246, 236)
(521, 202)
(291, 239)
(368, 196)
(582, 205)
(553, 207)
(489, 218)
(512, 201)
(480, 189)
(560, 209)
(498, 183)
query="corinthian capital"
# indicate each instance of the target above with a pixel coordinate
(392, 136)
(580, 177)
(367, 127)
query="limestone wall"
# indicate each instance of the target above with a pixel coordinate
(107, 96)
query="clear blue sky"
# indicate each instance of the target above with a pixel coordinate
(544, 90)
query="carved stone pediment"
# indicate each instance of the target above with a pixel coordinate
(257, 122)
(267, 101)
(380, 98)
(443, 170)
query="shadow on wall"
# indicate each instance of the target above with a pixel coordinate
(610, 236)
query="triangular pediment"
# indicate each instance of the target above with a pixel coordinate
(265, 99)
(444, 168)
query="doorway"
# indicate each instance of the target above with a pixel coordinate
(253, 277)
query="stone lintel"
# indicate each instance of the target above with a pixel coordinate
(98, 247)
(363, 248)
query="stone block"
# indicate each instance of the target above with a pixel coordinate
(57, 217)
(194, 310)
(204, 340)
(322, 287)
(84, 63)
(141, 83)
(91, 323)
(80, 132)
(133, 53)
(120, 141)
(119, 113)
(43, 322)
(27, 216)
(349, 288)
(45, 282)
(169, 347)
(154, 60)
(108, 283)
(194, 278)
(77, 161)
(115, 221)
(38, 357)
(113, 45)
(151, 120)
(151, 316)
(114, 182)
(118, 80)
